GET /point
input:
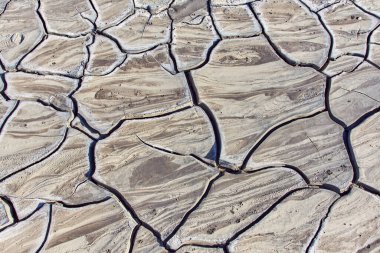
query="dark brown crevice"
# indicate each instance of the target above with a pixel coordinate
(321, 224)
(120, 47)
(288, 166)
(209, 10)
(3, 80)
(197, 204)
(69, 36)
(2, 66)
(208, 55)
(233, 4)
(230, 37)
(88, 53)
(297, 170)
(346, 132)
(195, 24)
(372, 63)
(82, 119)
(365, 57)
(199, 245)
(11, 207)
(160, 149)
(328, 6)
(133, 238)
(368, 188)
(4, 96)
(5, 7)
(209, 113)
(173, 59)
(9, 115)
(39, 160)
(364, 10)
(327, 104)
(351, 155)
(192, 87)
(172, 152)
(215, 126)
(95, 202)
(369, 38)
(41, 73)
(263, 215)
(170, 48)
(39, 14)
(205, 162)
(270, 131)
(74, 101)
(363, 118)
(345, 71)
(47, 229)
(329, 187)
(83, 132)
(54, 107)
(91, 159)
(96, 14)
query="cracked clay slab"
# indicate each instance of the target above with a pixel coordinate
(142, 31)
(21, 30)
(29, 136)
(26, 235)
(69, 17)
(92, 228)
(234, 202)
(354, 94)
(141, 87)
(48, 88)
(58, 55)
(60, 177)
(291, 226)
(314, 145)
(160, 186)
(243, 70)
(359, 229)
(365, 140)
(295, 30)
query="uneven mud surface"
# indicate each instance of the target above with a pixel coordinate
(189, 126)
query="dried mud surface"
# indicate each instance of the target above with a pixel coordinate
(209, 126)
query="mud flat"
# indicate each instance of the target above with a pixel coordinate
(216, 126)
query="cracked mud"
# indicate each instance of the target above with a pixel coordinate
(189, 126)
